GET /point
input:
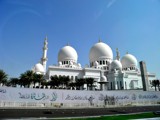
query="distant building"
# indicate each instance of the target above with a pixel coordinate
(108, 73)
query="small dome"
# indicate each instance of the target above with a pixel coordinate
(96, 63)
(38, 68)
(116, 64)
(103, 79)
(100, 50)
(59, 63)
(67, 53)
(129, 61)
(79, 65)
(71, 63)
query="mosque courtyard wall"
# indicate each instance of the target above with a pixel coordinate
(54, 98)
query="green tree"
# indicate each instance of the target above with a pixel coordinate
(55, 82)
(3, 77)
(158, 84)
(26, 78)
(37, 78)
(61, 81)
(13, 82)
(154, 84)
(64, 81)
(72, 85)
(89, 82)
(45, 83)
(80, 83)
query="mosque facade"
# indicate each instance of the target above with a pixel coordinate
(108, 73)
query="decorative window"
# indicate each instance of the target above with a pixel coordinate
(111, 85)
(125, 85)
(107, 68)
(72, 77)
(120, 85)
(103, 62)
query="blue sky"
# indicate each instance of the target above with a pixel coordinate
(130, 25)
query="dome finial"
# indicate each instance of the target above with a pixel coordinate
(40, 61)
(127, 52)
(67, 44)
(99, 40)
(118, 55)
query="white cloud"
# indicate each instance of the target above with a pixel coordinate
(111, 2)
(100, 12)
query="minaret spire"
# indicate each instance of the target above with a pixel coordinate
(46, 38)
(44, 56)
(118, 54)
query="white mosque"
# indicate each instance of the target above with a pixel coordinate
(108, 73)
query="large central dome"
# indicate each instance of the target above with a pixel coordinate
(100, 50)
(67, 53)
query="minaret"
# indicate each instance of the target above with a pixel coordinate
(118, 55)
(44, 57)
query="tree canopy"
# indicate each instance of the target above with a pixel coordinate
(3, 77)
(156, 84)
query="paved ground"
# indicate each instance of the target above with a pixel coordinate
(55, 113)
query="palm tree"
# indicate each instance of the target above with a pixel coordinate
(26, 78)
(37, 78)
(13, 82)
(64, 80)
(80, 83)
(45, 83)
(154, 84)
(72, 85)
(3, 77)
(89, 82)
(55, 82)
(158, 83)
